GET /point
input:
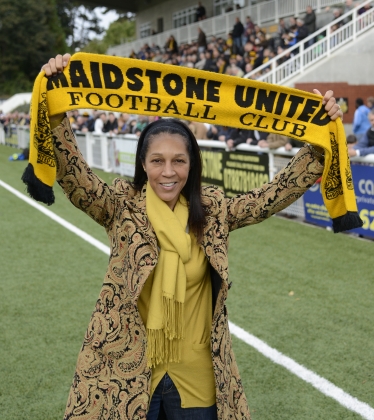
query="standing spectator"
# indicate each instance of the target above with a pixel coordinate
(365, 146)
(302, 30)
(200, 12)
(237, 33)
(201, 40)
(249, 25)
(111, 125)
(360, 120)
(347, 8)
(310, 20)
(99, 123)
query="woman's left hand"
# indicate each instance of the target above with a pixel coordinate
(331, 107)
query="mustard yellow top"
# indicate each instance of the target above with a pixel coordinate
(193, 376)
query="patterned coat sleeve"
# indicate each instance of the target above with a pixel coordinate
(286, 187)
(82, 187)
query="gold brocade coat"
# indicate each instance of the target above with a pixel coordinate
(112, 380)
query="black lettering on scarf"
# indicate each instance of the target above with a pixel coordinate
(92, 101)
(318, 120)
(275, 123)
(265, 99)
(241, 118)
(195, 87)
(153, 104)
(77, 75)
(178, 84)
(308, 110)
(131, 74)
(212, 94)
(249, 96)
(189, 110)
(295, 102)
(298, 130)
(113, 77)
(258, 123)
(75, 97)
(172, 106)
(280, 103)
(206, 113)
(95, 73)
(153, 76)
(59, 80)
(109, 101)
(133, 100)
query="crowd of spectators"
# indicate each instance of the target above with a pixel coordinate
(245, 48)
(11, 120)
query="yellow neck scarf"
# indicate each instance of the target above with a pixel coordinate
(165, 323)
(149, 88)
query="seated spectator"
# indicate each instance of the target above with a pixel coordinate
(171, 45)
(360, 119)
(111, 125)
(209, 64)
(365, 145)
(222, 65)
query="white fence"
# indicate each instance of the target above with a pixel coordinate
(101, 152)
(315, 47)
(264, 12)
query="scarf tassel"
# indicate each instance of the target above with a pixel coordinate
(36, 188)
(164, 345)
(173, 318)
(351, 220)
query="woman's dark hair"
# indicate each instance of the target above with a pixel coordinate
(192, 189)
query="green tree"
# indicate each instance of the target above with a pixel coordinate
(119, 32)
(30, 33)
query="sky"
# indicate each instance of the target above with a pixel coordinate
(108, 18)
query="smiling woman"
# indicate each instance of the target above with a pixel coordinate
(158, 342)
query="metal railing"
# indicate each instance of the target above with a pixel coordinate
(99, 152)
(264, 12)
(315, 47)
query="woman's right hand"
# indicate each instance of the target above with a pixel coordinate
(56, 65)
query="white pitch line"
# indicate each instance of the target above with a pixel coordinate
(323, 385)
(90, 239)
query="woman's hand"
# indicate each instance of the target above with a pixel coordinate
(56, 65)
(331, 107)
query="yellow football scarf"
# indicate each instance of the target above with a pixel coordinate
(148, 88)
(165, 322)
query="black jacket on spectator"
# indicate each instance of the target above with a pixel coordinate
(238, 30)
(310, 22)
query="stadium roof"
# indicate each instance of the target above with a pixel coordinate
(123, 5)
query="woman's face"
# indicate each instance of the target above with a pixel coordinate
(167, 164)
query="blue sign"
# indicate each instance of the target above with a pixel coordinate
(363, 179)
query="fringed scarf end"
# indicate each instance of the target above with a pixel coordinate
(35, 188)
(351, 220)
(160, 349)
